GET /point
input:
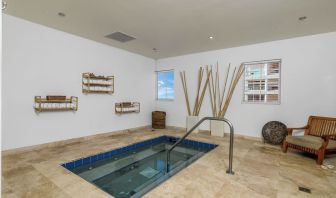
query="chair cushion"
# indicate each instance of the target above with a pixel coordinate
(310, 141)
(331, 144)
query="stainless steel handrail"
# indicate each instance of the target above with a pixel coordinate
(229, 170)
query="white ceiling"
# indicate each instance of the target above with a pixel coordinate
(177, 27)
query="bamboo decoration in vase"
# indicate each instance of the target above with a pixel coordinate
(193, 113)
(220, 99)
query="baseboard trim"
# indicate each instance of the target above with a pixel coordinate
(237, 135)
(108, 134)
(72, 140)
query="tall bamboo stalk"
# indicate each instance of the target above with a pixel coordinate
(200, 76)
(215, 90)
(185, 90)
(210, 91)
(199, 95)
(221, 100)
(231, 90)
(223, 92)
(202, 95)
(217, 87)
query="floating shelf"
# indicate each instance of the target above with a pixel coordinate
(127, 107)
(56, 103)
(97, 84)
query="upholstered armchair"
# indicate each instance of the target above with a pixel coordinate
(319, 137)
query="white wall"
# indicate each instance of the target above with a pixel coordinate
(39, 61)
(308, 84)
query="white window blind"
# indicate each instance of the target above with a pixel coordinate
(262, 82)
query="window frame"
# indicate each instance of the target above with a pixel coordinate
(278, 102)
(157, 88)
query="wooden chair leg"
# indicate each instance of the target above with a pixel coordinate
(284, 147)
(320, 156)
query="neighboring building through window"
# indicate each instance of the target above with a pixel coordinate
(262, 82)
(165, 85)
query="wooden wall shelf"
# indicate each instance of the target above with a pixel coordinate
(55, 103)
(127, 107)
(97, 84)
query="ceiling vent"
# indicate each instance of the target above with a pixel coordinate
(119, 36)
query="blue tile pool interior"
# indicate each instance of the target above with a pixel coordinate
(140, 164)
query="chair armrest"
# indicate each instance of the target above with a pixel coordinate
(290, 130)
(326, 139)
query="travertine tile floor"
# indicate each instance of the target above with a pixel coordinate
(261, 170)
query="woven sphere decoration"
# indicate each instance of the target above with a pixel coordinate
(274, 132)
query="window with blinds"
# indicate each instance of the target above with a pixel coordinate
(262, 82)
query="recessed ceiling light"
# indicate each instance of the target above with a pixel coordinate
(61, 14)
(302, 18)
(211, 37)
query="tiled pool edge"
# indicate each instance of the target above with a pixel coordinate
(107, 154)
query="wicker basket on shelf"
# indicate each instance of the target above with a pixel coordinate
(158, 119)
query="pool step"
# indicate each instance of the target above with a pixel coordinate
(144, 188)
(100, 171)
(103, 170)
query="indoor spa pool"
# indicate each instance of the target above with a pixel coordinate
(133, 170)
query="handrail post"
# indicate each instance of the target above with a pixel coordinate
(229, 170)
